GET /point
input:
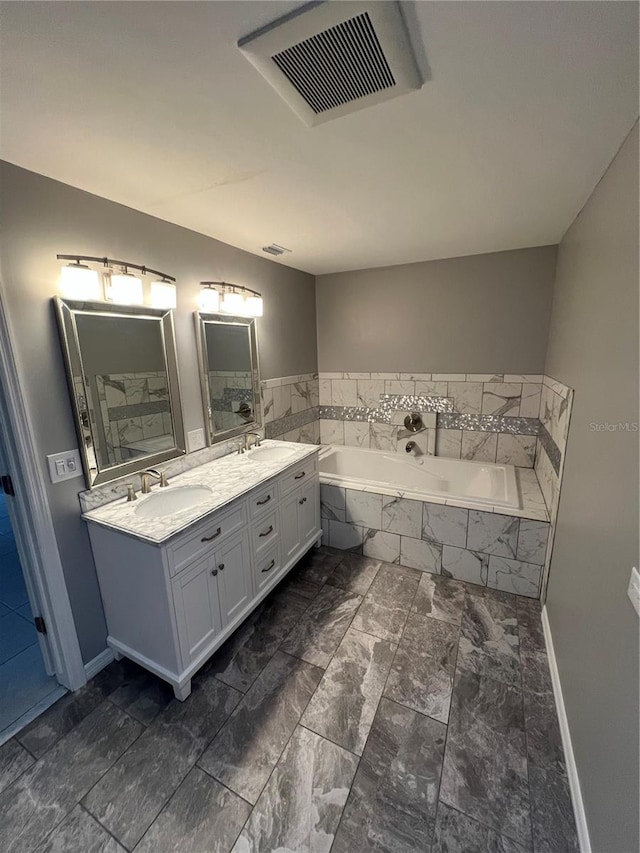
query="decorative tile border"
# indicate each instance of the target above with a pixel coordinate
(550, 448)
(274, 429)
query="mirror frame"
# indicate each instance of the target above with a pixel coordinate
(66, 311)
(201, 319)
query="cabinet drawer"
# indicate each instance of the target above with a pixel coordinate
(264, 500)
(298, 476)
(268, 568)
(265, 532)
(206, 537)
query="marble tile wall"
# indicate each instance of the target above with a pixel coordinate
(501, 552)
(490, 417)
(290, 408)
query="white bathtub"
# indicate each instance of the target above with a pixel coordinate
(425, 477)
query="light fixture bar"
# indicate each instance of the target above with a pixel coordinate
(232, 299)
(111, 262)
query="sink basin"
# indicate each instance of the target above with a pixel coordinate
(269, 454)
(174, 500)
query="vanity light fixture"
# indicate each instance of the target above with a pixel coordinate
(79, 281)
(163, 294)
(230, 299)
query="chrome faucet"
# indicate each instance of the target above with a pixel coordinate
(412, 447)
(146, 476)
(246, 445)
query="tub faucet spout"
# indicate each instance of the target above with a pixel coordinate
(412, 447)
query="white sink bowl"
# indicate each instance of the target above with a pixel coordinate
(269, 454)
(169, 502)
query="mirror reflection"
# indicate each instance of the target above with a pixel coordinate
(229, 374)
(124, 386)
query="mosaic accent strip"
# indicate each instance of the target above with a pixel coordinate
(551, 448)
(290, 422)
(490, 423)
(137, 410)
(413, 403)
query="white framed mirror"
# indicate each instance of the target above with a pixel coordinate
(122, 372)
(229, 374)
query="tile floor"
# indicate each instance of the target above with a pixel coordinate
(362, 707)
(24, 683)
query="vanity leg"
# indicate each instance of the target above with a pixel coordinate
(318, 542)
(117, 655)
(182, 692)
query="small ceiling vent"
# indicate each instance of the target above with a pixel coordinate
(332, 58)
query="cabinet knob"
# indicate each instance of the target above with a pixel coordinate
(221, 566)
(302, 501)
(214, 572)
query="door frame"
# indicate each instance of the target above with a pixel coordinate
(32, 522)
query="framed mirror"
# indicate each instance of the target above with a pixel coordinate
(229, 374)
(123, 378)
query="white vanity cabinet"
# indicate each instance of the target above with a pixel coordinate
(170, 605)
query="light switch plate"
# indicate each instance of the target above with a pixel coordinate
(195, 440)
(634, 589)
(64, 466)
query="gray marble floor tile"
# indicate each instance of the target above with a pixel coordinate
(530, 625)
(14, 760)
(485, 766)
(489, 640)
(507, 599)
(492, 533)
(422, 673)
(247, 748)
(536, 676)
(554, 828)
(386, 606)
(544, 741)
(343, 707)
(40, 798)
(440, 598)
(201, 816)
(130, 796)
(392, 804)
(300, 808)
(71, 709)
(82, 833)
(320, 630)
(355, 573)
(242, 658)
(458, 833)
(143, 696)
(309, 575)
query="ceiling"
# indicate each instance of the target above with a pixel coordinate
(153, 106)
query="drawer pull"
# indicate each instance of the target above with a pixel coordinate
(302, 501)
(215, 536)
(214, 572)
(265, 501)
(269, 567)
(300, 475)
(266, 532)
(221, 567)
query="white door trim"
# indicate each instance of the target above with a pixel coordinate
(34, 532)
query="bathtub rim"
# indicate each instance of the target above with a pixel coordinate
(373, 487)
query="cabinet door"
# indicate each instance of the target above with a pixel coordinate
(235, 588)
(197, 613)
(309, 511)
(289, 527)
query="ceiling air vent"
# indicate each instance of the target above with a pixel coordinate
(275, 249)
(330, 59)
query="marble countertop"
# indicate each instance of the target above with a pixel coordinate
(229, 478)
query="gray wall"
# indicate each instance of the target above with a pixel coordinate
(476, 314)
(40, 217)
(593, 347)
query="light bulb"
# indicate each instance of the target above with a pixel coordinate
(163, 294)
(232, 303)
(124, 289)
(253, 306)
(77, 281)
(209, 300)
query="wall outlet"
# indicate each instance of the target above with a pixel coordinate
(634, 589)
(64, 466)
(195, 440)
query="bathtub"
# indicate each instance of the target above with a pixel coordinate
(423, 478)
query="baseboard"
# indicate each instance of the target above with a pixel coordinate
(572, 769)
(97, 663)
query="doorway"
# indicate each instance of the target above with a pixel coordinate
(26, 687)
